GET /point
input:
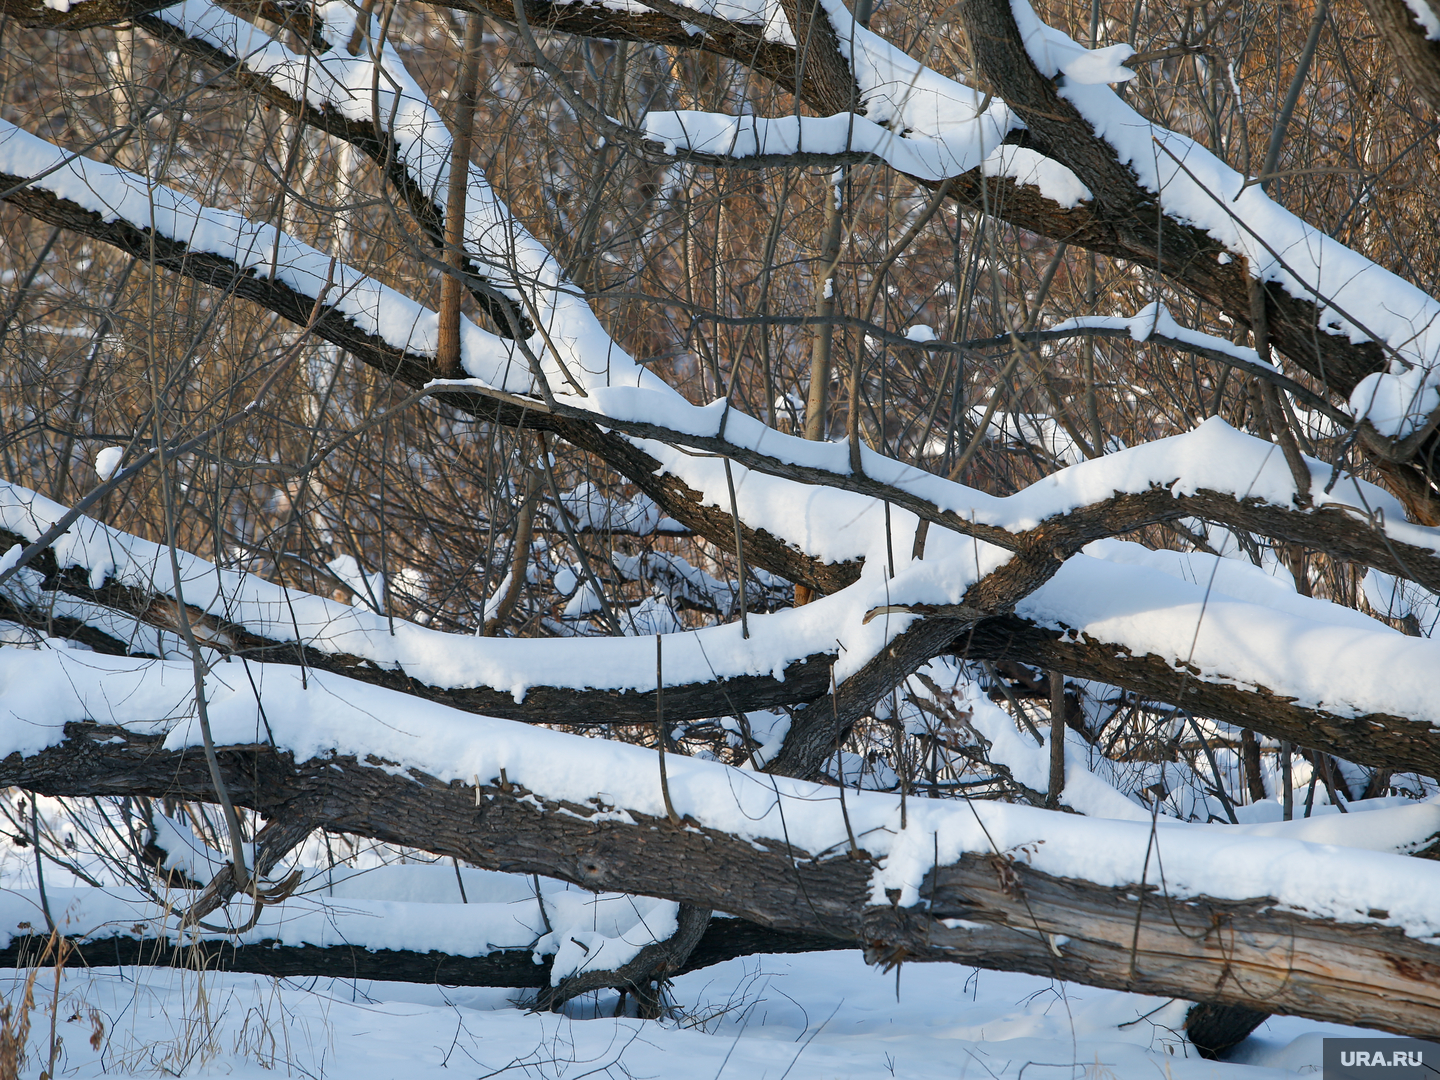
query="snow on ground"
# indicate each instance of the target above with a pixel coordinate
(818, 1017)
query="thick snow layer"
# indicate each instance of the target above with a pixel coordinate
(1214, 456)
(511, 665)
(417, 908)
(1056, 182)
(898, 91)
(1322, 655)
(942, 132)
(42, 691)
(1236, 578)
(381, 90)
(960, 149)
(914, 118)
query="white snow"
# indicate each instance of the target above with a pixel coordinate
(416, 908)
(511, 665)
(118, 195)
(747, 136)
(1320, 654)
(1213, 456)
(1155, 320)
(381, 90)
(1394, 598)
(107, 461)
(1056, 182)
(368, 588)
(1229, 622)
(1424, 15)
(824, 1016)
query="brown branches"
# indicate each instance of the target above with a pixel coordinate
(77, 16)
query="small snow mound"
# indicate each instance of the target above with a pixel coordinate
(920, 332)
(585, 601)
(107, 461)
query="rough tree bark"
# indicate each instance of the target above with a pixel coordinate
(1248, 953)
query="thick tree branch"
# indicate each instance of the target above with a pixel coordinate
(417, 369)
(84, 15)
(1372, 739)
(805, 679)
(1248, 952)
(723, 939)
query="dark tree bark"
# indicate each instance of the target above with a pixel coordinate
(1418, 53)
(722, 940)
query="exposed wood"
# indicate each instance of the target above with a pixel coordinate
(83, 15)
(1217, 1029)
(447, 349)
(1120, 224)
(1228, 286)
(817, 730)
(819, 65)
(642, 974)
(1056, 741)
(805, 680)
(993, 633)
(416, 370)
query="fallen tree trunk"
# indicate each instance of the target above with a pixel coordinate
(989, 910)
(1214, 1029)
(724, 939)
